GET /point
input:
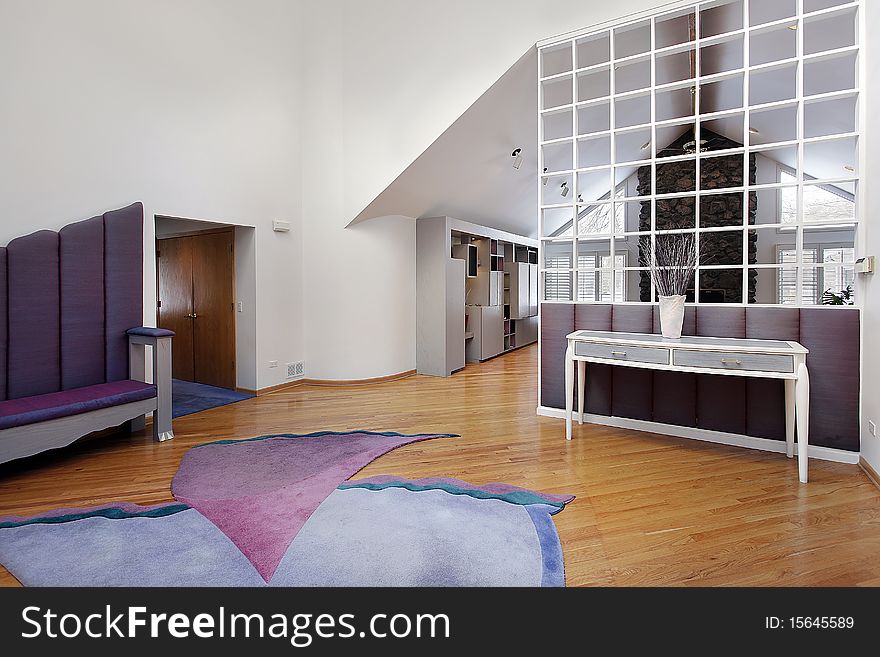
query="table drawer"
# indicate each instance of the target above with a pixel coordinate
(723, 360)
(658, 355)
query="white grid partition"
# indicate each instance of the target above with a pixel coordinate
(774, 84)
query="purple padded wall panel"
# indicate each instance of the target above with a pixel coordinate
(675, 398)
(721, 400)
(632, 389)
(123, 284)
(81, 249)
(598, 390)
(765, 398)
(832, 336)
(33, 360)
(2, 322)
(557, 321)
(675, 393)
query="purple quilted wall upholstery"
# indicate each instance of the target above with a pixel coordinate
(34, 349)
(123, 284)
(747, 406)
(66, 301)
(82, 303)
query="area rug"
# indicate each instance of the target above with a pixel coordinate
(188, 397)
(276, 510)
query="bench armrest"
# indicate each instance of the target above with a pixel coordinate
(160, 341)
(151, 332)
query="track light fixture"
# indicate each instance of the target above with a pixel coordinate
(563, 189)
(517, 158)
(545, 180)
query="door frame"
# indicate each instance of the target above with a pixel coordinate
(197, 233)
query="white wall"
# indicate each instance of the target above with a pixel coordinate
(870, 155)
(191, 107)
(384, 79)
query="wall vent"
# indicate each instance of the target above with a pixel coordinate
(296, 370)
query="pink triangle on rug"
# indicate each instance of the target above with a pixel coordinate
(261, 491)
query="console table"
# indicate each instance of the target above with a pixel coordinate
(771, 359)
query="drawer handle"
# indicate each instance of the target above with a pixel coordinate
(731, 361)
(619, 354)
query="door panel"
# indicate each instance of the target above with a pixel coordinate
(213, 299)
(174, 266)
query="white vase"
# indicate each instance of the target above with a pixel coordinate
(671, 316)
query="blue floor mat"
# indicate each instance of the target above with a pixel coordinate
(188, 397)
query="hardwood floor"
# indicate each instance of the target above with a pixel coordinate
(650, 509)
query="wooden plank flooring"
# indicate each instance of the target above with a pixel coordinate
(650, 509)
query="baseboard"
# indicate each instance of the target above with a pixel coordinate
(271, 389)
(706, 435)
(871, 472)
(327, 383)
(359, 382)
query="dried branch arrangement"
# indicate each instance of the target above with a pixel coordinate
(673, 264)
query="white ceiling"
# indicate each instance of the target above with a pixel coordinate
(467, 172)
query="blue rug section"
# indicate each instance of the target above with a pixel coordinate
(188, 397)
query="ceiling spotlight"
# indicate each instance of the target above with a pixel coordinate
(849, 167)
(792, 27)
(580, 199)
(644, 146)
(754, 131)
(563, 189)
(546, 180)
(517, 158)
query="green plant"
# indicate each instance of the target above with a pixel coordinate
(845, 297)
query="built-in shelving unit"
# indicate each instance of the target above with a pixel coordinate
(489, 289)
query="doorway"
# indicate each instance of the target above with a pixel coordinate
(196, 300)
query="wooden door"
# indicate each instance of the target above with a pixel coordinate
(174, 265)
(213, 306)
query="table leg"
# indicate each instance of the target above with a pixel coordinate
(569, 390)
(789, 417)
(582, 370)
(802, 402)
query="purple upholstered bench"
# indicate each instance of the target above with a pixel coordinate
(72, 351)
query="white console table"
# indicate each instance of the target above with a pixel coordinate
(771, 359)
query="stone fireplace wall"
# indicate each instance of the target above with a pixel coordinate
(725, 209)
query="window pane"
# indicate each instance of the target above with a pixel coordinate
(557, 255)
(593, 84)
(772, 45)
(632, 40)
(676, 177)
(556, 92)
(675, 213)
(721, 286)
(762, 11)
(557, 286)
(556, 125)
(720, 18)
(632, 75)
(556, 59)
(675, 28)
(828, 204)
(595, 117)
(592, 50)
(773, 285)
(594, 152)
(557, 222)
(721, 248)
(557, 157)
(829, 32)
